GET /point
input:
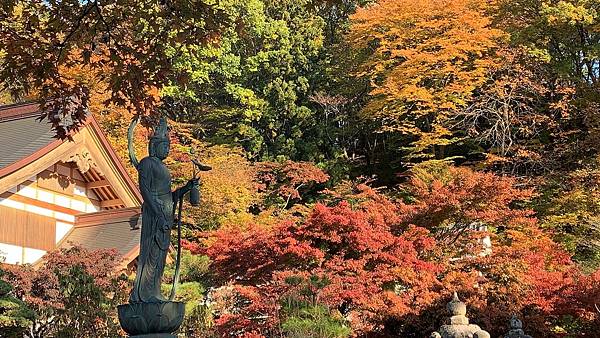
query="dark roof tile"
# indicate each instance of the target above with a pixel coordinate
(119, 229)
(22, 133)
(22, 137)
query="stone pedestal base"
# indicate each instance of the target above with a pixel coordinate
(458, 331)
(151, 320)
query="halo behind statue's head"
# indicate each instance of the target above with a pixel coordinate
(160, 134)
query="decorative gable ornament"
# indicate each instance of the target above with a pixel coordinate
(84, 161)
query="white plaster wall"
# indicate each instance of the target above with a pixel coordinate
(62, 229)
(32, 255)
(13, 254)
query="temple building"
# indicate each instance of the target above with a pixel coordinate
(56, 193)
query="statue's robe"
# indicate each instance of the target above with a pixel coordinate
(155, 185)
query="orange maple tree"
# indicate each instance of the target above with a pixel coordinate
(451, 200)
(424, 60)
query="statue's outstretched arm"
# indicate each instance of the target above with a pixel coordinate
(179, 192)
(194, 182)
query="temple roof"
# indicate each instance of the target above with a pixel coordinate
(22, 133)
(26, 139)
(119, 229)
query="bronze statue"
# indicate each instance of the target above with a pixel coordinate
(157, 217)
(148, 311)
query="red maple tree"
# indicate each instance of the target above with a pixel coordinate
(390, 267)
(74, 293)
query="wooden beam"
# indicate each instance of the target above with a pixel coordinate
(98, 184)
(37, 162)
(110, 165)
(38, 203)
(111, 203)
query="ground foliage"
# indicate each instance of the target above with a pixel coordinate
(15, 315)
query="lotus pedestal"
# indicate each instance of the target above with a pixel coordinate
(151, 320)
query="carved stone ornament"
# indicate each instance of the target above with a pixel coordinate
(516, 329)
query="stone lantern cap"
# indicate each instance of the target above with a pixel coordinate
(456, 307)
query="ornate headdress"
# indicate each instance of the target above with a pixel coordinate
(161, 130)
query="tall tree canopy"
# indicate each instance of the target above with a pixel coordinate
(242, 71)
(253, 86)
(424, 60)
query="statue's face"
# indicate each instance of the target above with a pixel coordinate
(162, 149)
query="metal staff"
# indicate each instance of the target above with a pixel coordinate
(195, 201)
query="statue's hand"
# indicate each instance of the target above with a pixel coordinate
(166, 222)
(179, 192)
(167, 226)
(191, 184)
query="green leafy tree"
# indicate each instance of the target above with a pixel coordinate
(562, 33)
(15, 316)
(561, 39)
(569, 208)
(252, 87)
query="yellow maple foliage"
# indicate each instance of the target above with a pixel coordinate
(425, 59)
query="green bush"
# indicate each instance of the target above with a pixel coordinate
(314, 322)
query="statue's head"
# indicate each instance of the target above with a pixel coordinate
(159, 142)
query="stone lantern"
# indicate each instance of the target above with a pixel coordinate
(516, 329)
(459, 326)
